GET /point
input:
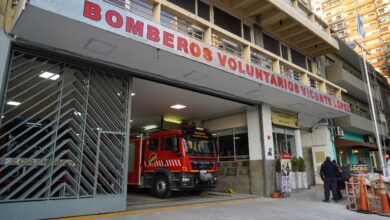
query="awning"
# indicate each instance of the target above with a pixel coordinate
(343, 143)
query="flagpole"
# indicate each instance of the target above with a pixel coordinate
(371, 100)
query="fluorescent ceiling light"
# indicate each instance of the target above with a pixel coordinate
(77, 113)
(49, 75)
(178, 106)
(132, 94)
(13, 103)
(148, 127)
(46, 75)
(55, 77)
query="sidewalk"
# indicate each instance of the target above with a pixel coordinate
(303, 205)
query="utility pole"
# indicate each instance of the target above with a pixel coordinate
(359, 23)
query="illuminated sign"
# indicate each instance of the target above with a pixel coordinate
(356, 169)
(127, 24)
(172, 119)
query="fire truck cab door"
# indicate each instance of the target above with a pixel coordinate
(169, 154)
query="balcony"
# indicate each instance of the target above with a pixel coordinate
(338, 75)
(358, 124)
(292, 21)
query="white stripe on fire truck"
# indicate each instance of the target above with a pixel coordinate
(176, 163)
(179, 162)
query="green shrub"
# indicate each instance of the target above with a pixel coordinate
(294, 164)
(301, 165)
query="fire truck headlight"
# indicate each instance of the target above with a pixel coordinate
(185, 179)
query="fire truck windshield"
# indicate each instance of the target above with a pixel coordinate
(198, 146)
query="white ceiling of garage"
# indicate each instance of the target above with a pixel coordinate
(153, 100)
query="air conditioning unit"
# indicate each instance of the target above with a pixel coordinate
(339, 132)
(369, 139)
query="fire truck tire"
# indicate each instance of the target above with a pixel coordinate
(161, 187)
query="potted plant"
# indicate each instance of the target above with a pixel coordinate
(278, 174)
(302, 172)
(294, 173)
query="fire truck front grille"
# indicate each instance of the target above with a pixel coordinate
(202, 165)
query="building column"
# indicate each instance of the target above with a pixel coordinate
(261, 149)
(298, 143)
(156, 15)
(254, 132)
(5, 46)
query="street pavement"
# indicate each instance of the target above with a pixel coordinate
(303, 205)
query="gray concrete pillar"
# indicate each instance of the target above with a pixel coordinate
(5, 46)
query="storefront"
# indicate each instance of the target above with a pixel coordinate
(353, 149)
(286, 133)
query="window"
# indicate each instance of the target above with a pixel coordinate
(227, 21)
(204, 10)
(284, 141)
(298, 59)
(153, 144)
(232, 144)
(247, 32)
(171, 143)
(285, 52)
(309, 65)
(271, 44)
(226, 145)
(241, 143)
(188, 5)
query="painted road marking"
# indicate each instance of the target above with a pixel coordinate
(165, 209)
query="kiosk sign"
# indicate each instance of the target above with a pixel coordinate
(356, 169)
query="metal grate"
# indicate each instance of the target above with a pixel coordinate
(62, 131)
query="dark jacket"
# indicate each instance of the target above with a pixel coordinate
(329, 170)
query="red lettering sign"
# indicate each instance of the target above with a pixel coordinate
(92, 11)
(196, 50)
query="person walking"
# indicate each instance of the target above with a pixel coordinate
(329, 173)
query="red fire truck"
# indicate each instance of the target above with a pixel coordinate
(173, 160)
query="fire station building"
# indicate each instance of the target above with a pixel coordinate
(79, 78)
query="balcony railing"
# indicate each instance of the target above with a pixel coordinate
(314, 83)
(290, 73)
(261, 60)
(361, 113)
(176, 23)
(228, 45)
(330, 90)
(138, 7)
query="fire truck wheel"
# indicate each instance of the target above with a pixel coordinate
(161, 187)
